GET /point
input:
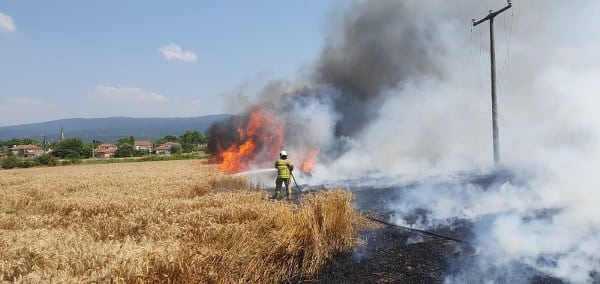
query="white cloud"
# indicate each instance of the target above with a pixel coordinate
(111, 94)
(173, 51)
(6, 23)
(108, 101)
(19, 110)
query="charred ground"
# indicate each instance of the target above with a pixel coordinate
(396, 254)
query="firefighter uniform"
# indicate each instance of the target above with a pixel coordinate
(284, 171)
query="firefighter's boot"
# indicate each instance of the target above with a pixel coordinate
(276, 195)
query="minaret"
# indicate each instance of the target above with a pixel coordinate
(62, 133)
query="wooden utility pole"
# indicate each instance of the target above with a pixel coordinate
(495, 134)
(45, 143)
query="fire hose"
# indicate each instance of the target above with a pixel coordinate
(297, 187)
(432, 234)
(421, 231)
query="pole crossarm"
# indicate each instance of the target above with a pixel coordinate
(492, 14)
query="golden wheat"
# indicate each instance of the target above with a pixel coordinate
(172, 221)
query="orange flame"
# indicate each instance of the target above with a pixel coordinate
(257, 142)
(260, 140)
(308, 161)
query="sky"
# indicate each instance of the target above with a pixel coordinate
(66, 59)
(409, 78)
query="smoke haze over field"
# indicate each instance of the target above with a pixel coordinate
(402, 88)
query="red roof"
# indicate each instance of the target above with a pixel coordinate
(142, 143)
(106, 148)
(166, 146)
(25, 147)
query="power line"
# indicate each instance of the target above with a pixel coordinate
(478, 67)
(505, 65)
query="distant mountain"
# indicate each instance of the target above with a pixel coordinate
(111, 129)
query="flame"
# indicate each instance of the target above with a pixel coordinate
(308, 161)
(260, 140)
(257, 141)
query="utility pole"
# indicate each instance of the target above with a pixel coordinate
(495, 134)
(45, 143)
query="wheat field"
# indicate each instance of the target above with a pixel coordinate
(167, 222)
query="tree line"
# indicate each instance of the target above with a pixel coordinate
(76, 148)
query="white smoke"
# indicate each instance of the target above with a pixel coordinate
(438, 124)
(411, 100)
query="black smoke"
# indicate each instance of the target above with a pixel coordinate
(376, 47)
(223, 134)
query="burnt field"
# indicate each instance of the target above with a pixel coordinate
(410, 247)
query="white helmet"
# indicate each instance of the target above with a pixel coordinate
(282, 153)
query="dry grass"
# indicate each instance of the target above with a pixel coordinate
(174, 221)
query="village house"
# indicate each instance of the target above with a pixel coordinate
(165, 148)
(105, 151)
(142, 145)
(28, 151)
(3, 155)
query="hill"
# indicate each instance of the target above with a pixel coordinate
(112, 128)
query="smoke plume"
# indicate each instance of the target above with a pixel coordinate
(401, 88)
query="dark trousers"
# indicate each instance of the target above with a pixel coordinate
(279, 182)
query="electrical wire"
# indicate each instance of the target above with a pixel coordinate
(508, 35)
(478, 68)
(506, 62)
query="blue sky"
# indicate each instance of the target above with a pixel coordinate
(64, 59)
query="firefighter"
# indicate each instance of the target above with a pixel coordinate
(284, 171)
